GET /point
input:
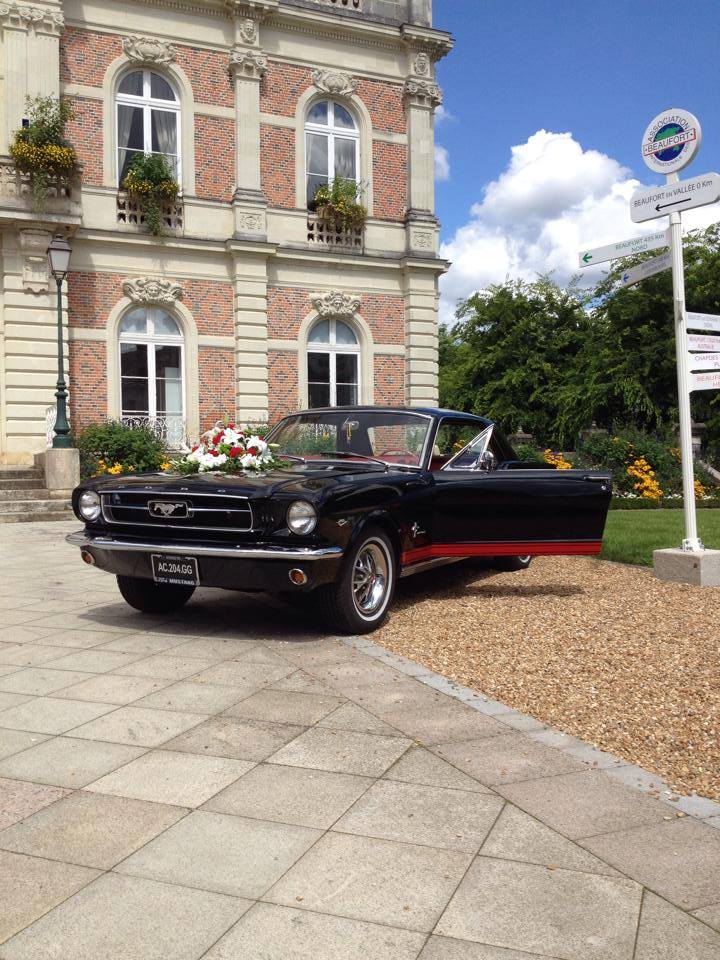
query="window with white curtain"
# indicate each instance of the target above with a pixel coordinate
(148, 120)
(151, 368)
(333, 365)
(332, 145)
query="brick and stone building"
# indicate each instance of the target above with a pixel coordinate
(248, 304)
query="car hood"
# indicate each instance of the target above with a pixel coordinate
(301, 480)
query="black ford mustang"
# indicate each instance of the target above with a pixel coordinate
(367, 494)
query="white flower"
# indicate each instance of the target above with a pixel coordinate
(209, 461)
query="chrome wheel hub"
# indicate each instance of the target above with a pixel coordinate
(370, 579)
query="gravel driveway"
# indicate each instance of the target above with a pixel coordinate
(599, 650)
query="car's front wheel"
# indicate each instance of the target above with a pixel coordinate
(512, 563)
(359, 601)
(151, 597)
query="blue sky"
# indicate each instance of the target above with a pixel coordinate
(596, 71)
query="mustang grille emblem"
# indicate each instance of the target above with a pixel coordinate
(165, 508)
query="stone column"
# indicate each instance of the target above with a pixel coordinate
(421, 333)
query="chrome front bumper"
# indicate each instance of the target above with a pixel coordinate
(288, 554)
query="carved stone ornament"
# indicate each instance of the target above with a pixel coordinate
(334, 82)
(250, 222)
(35, 270)
(248, 30)
(38, 19)
(421, 64)
(148, 50)
(247, 64)
(152, 290)
(336, 304)
(423, 93)
(421, 239)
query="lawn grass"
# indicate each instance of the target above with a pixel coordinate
(632, 535)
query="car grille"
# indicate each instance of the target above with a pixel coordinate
(217, 512)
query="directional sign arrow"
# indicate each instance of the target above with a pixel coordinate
(697, 341)
(623, 248)
(647, 269)
(704, 381)
(703, 321)
(704, 361)
(652, 202)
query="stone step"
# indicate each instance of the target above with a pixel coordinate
(24, 493)
(34, 517)
(20, 473)
(10, 507)
(32, 483)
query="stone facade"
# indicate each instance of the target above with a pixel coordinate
(244, 268)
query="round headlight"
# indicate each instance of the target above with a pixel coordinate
(301, 517)
(89, 505)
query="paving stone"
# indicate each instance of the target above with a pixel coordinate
(517, 836)
(521, 721)
(680, 860)
(8, 670)
(67, 762)
(343, 751)
(52, 715)
(351, 717)
(29, 654)
(258, 653)
(418, 765)
(666, 933)
(432, 816)
(359, 672)
(144, 643)
(216, 648)
(109, 688)
(225, 854)
(141, 920)
(308, 798)
(507, 758)
(585, 804)
(279, 933)
(231, 737)
(78, 639)
(302, 682)
(162, 776)
(23, 633)
(12, 700)
(709, 915)
(96, 660)
(138, 726)
(444, 724)
(559, 913)
(13, 741)
(19, 799)
(284, 706)
(165, 666)
(239, 673)
(404, 693)
(713, 822)
(366, 879)
(205, 698)
(39, 681)
(443, 948)
(89, 829)
(30, 887)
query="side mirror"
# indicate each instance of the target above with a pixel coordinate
(486, 462)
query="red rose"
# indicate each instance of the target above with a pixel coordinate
(236, 451)
(253, 451)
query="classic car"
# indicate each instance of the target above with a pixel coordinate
(365, 495)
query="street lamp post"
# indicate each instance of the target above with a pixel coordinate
(59, 258)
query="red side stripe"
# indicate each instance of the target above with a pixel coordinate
(534, 548)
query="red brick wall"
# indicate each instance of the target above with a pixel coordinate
(214, 158)
(283, 383)
(86, 55)
(209, 75)
(91, 297)
(217, 384)
(277, 165)
(390, 180)
(87, 383)
(384, 102)
(288, 306)
(85, 134)
(390, 381)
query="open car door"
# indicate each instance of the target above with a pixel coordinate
(486, 506)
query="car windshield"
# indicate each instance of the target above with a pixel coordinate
(396, 438)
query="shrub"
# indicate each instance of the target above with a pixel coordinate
(40, 148)
(528, 454)
(114, 448)
(150, 181)
(339, 204)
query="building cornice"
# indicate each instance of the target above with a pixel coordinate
(22, 16)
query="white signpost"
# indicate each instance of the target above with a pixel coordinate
(644, 270)
(623, 248)
(704, 361)
(699, 341)
(677, 195)
(705, 381)
(703, 321)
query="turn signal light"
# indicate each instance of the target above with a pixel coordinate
(298, 577)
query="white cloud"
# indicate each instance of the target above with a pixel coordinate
(551, 200)
(443, 115)
(442, 163)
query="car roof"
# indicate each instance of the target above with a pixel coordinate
(437, 412)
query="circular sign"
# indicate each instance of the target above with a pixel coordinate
(671, 141)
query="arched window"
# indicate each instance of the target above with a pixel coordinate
(332, 145)
(333, 364)
(151, 372)
(148, 120)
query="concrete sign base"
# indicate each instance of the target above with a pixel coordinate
(62, 471)
(701, 569)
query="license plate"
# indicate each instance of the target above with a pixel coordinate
(168, 568)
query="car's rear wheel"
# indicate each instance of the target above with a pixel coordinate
(150, 597)
(359, 601)
(512, 563)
